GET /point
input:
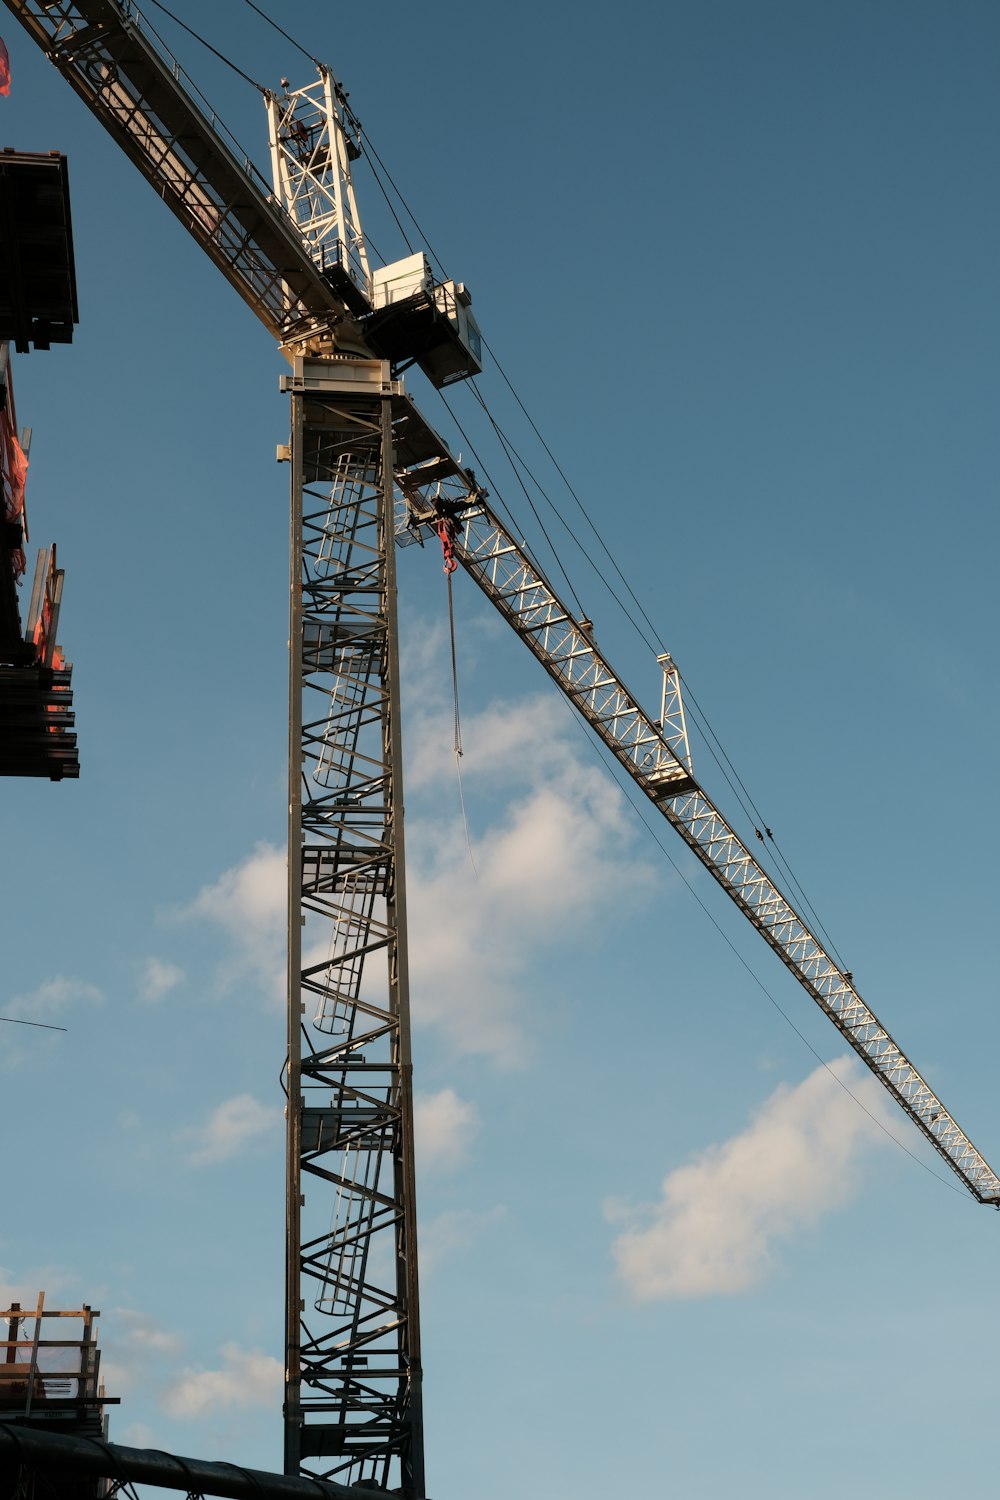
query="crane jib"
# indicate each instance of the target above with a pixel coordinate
(566, 649)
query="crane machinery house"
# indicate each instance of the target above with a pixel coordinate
(416, 319)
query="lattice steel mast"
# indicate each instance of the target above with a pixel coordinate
(353, 1376)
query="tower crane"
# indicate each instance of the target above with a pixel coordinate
(367, 469)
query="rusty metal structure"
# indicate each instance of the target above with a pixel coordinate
(37, 734)
(50, 1387)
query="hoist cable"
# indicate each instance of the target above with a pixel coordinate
(580, 505)
(450, 573)
(510, 449)
(406, 208)
(750, 809)
(44, 1025)
(498, 500)
(510, 455)
(628, 788)
(214, 50)
(265, 17)
(385, 195)
(455, 672)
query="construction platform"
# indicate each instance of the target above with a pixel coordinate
(50, 1384)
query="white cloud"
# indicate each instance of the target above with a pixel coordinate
(248, 902)
(444, 1126)
(55, 1003)
(229, 1128)
(715, 1228)
(52, 999)
(248, 1377)
(24, 1286)
(134, 1345)
(158, 979)
(454, 1230)
(136, 1435)
(558, 859)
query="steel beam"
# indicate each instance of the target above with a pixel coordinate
(52, 1454)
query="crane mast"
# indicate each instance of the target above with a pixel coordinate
(367, 470)
(353, 1357)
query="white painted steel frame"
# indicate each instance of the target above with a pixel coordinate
(353, 1391)
(313, 136)
(657, 760)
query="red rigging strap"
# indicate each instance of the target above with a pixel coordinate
(447, 531)
(17, 473)
(15, 466)
(4, 68)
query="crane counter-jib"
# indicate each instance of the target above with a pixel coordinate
(220, 199)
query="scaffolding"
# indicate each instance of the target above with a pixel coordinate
(53, 1382)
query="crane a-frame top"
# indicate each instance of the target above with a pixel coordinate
(297, 256)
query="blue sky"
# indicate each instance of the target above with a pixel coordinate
(740, 263)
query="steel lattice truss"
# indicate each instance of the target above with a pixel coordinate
(211, 186)
(655, 755)
(314, 137)
(353, 1394)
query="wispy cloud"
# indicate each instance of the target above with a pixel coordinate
(57, 1002)
(720, 1218)
(229, 1128)
(557, 858)
(247, 1378)
(158, 978)
(24, 1286)
(52, 999)
(136, 1435)
(454, 1230)
(248, 902)
(135, 1350)
(444, 1128)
